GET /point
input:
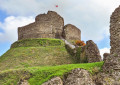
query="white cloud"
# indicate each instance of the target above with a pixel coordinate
(91, 16)
(10, 25)
(20, 7)
(31, 7)
(104, 50)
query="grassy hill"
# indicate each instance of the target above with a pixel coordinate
(36, 52)
(38, 75)
(35, 60)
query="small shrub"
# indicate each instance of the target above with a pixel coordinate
(80, 43)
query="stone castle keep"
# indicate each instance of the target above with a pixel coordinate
(50, 25)
(18, 63)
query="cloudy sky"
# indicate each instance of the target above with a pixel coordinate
(90, 16)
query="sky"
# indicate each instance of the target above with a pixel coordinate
(92, 17)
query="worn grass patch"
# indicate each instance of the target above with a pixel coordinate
(38, 75)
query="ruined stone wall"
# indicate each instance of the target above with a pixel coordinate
(115, 31)
(71, 32)
(90, 53)
(48, 25)
(112, 60)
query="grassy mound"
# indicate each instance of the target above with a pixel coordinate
(37, 42)
(38, 75)
(30, 52)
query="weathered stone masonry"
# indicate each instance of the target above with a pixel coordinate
(115, 31)
(71, 32)
(48, 25)
(112, 60)
(90, 53)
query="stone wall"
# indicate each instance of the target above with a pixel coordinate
(115, 31)
(71, 32)
(48, 25)
(90, 53)
(112, 60)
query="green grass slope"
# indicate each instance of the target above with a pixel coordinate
(36, 52)
(37, 42)
(38, 75)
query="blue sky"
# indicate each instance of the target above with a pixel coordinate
(90, 16)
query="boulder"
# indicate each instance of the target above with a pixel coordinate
(54, 81)
(79, 77)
